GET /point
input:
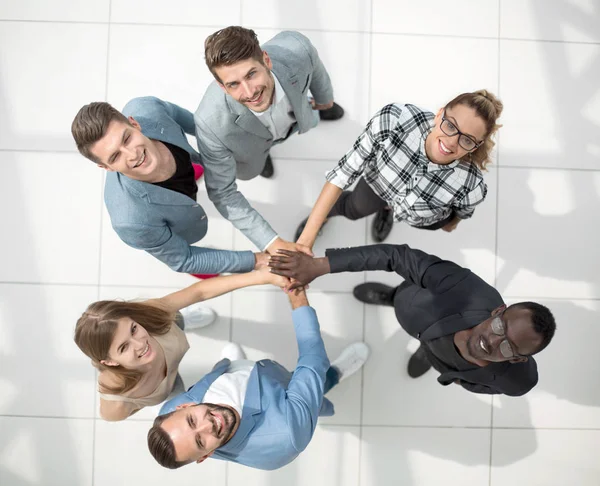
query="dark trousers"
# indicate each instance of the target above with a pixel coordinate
(363, 201)
(358, 203)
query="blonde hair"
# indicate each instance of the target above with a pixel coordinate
(96, 328)
(488, 108)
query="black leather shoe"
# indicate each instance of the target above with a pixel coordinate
(382, 224)
(301, 226)
(418, 364)
(375, 293)
(268, 169)
(334, 113)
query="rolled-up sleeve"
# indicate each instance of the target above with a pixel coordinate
(366, 147)
(465, 207)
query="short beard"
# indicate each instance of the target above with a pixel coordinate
(230, 420)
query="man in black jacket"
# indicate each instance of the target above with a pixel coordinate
(467, 332)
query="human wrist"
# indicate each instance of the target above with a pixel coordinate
(298, 299)
(273, 245)
(260, 260)
(322, 266)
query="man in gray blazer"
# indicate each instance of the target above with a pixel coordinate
(150, 190)
(259, 98)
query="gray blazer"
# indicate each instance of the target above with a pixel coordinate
(160, 221)
(235, 144)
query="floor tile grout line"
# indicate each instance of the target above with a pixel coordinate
(364, 310)
(231, 297)
(106, 81)
(496, 236)
(496, 239)
(304, 29)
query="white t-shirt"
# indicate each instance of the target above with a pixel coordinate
(279, 117)
(230, 387)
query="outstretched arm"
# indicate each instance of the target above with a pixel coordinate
(208, 289)
(416, 266)
(328, 197)
(364, 152)
(305, 389)
(173, 250)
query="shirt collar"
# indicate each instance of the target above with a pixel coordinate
(432, 166)
(277, 97)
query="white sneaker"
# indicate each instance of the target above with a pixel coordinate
(233, 352)
(351, 359)
(196, 316)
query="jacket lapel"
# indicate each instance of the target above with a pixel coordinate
(246, 120)
(167, 133)
(196, 393)
(252, 407)
(293, 88)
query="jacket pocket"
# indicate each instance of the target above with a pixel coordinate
(306, 84)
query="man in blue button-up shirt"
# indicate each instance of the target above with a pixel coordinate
(264, 415)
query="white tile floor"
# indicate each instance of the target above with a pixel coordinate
(535, 236)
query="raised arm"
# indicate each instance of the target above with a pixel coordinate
(178, 254)
(416, 266)
(220, 177)
(349, 168)
(305, 389)
(208, 289)
(328, 197)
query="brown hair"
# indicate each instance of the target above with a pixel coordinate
(161, 446)
(90, 125)
(488, 108)
(230, 45)
(96, 329)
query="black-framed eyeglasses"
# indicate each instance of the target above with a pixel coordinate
(499, 329)
(465, 141)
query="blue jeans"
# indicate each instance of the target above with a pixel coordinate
(332, 378)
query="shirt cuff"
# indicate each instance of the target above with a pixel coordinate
(337, 179)
(270, 243)
(465, 215)
(248, 261)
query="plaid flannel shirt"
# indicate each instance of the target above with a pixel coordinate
(390, 155)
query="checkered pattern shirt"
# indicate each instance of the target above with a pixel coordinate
(390, 155)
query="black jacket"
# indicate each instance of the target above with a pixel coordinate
(439, 298)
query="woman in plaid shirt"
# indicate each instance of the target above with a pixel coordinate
(413, 166)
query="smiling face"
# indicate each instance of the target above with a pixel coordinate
(125, 149)
(485, 343)
(444, 149)
(132, 347)
(249, 82)
(197, 430)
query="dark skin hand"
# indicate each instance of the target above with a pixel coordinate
(298, 266)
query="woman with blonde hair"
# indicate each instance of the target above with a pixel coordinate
(412, 165)
(137, 346)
